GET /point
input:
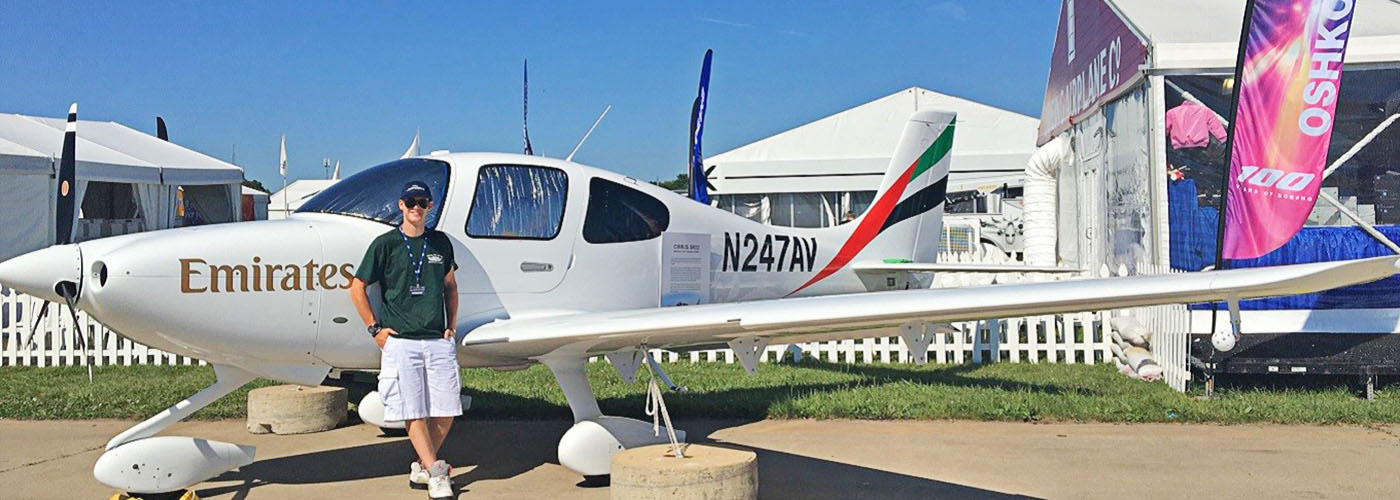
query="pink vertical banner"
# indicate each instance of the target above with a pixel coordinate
(1290, 76)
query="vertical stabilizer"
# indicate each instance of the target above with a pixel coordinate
(909, 204)
(906, 220)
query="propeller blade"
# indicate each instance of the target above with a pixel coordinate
(67, 184)
(43, 311)
(72, 299)
(160, 129)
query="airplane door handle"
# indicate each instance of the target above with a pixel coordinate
(536, 267)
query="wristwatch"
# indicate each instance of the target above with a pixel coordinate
(374, 329)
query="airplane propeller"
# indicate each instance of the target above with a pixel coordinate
(160, 129)
(63, 229)
(67, 184)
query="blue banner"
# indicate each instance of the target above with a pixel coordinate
(698, 180)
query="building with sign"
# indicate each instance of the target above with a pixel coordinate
(1135, 114)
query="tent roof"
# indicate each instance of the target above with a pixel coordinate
(107, 151)
(850, 150)
(298, 192)
(1205, 34)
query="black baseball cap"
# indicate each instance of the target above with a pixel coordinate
(416, 189)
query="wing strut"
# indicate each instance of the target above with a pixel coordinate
(656, 371)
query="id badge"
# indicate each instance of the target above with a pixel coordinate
(416, 290)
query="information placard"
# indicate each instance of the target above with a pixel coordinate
(685, 269)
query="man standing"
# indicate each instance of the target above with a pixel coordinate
(418, 373)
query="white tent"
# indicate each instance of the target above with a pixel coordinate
(810, 175)
(258, 200)
(107, 152)
(1205, 34)
(288, 200)
(849, 151)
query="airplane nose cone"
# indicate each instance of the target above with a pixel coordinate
(37, 273)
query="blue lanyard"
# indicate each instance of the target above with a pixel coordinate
(417, 267)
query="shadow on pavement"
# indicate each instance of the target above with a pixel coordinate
(504, 449)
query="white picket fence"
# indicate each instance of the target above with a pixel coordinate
(1081, 338)
(1065, 338)
(1070, 338)
(55, 342)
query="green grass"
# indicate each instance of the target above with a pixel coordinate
(813, 389)
(115, 392)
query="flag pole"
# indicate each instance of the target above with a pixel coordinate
(283, 169)
(1223, 208)
(1230, 138)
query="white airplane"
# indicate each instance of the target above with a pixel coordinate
(558, 262)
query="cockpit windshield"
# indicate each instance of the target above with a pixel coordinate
(374, 193)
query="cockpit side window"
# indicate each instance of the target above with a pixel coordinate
(518, 202)
(374, 193)
(617, 214)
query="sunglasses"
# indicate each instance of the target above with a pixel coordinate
(417, 202)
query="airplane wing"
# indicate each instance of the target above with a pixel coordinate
(809, 319)
(954, 267)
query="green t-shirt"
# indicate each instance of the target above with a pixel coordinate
(390, 262)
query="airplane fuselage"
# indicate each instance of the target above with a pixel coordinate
(533, 236)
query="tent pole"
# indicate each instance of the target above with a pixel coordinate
(1356, 148)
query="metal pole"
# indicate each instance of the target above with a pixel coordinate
(590, 132)
(1230, 152)
(1356, 148)
(1230, 137)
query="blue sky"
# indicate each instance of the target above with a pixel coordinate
(353, 81)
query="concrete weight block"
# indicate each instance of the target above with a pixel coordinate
(295, 409)
(706, 473)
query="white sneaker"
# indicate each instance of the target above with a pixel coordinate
(440, 481)
(417, 476)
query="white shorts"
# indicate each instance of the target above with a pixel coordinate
(419, 379)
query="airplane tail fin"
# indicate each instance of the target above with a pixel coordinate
(907, 214)
(905, 222)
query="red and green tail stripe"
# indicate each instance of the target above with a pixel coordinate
(888, 210)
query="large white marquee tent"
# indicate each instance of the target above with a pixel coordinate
(113, 158)
(843, 156)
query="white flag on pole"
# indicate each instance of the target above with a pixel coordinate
(284, 155)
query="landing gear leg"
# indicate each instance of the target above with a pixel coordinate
(587, 447)
(162, 467)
